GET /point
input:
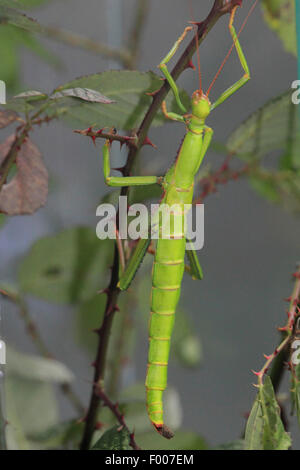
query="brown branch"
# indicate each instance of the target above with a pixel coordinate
(120, 417)
(219, 8)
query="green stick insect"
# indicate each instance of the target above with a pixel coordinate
(178, 188)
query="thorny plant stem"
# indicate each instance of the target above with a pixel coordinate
(219, 8)
(124, 140)
(287, 330)
(40, 345)
(115, 410)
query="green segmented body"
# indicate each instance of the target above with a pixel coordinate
(168, 269)
(178, 185)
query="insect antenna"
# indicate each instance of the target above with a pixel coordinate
(197, 44)
(232, 47)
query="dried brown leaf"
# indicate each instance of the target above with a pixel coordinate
(7, 117)
(28, 189)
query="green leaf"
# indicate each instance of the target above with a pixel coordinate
(63, 435)
(274, 127)
(67, 267)
(10, 3)
(264, 430)
(9, 65)
(129, 91)
(266, 188)
(31, 406)
(37, 368)
(185, 343)
(11, 16)
(28, 4)
(183, 440)
(235, 445)
(269, 142)
(280, 15)
(89, 317)
(114, 439)
(3, 220)
(295, 392)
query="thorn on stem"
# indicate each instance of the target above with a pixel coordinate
(283, 329)
(147, 141)
(153, 93)
(121, 169)
(268, 357)
(258, 374)
(97, 331)
(103, 291)
(190, 65)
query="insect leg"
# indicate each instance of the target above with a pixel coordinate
(134, 263)
(123, 181)
(163, 67)
(246, 77)
(194, 268)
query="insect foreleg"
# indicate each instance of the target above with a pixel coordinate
(172, 116)
(124, 181)
(163, 67)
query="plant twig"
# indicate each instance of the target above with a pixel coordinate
(76, 40)
(142, 10)
(222, 176)
(40, 345)
(120, 417)
(219, 8)
(287, 329)
(124, 140)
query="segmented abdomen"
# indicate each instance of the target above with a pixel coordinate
(166, 281)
